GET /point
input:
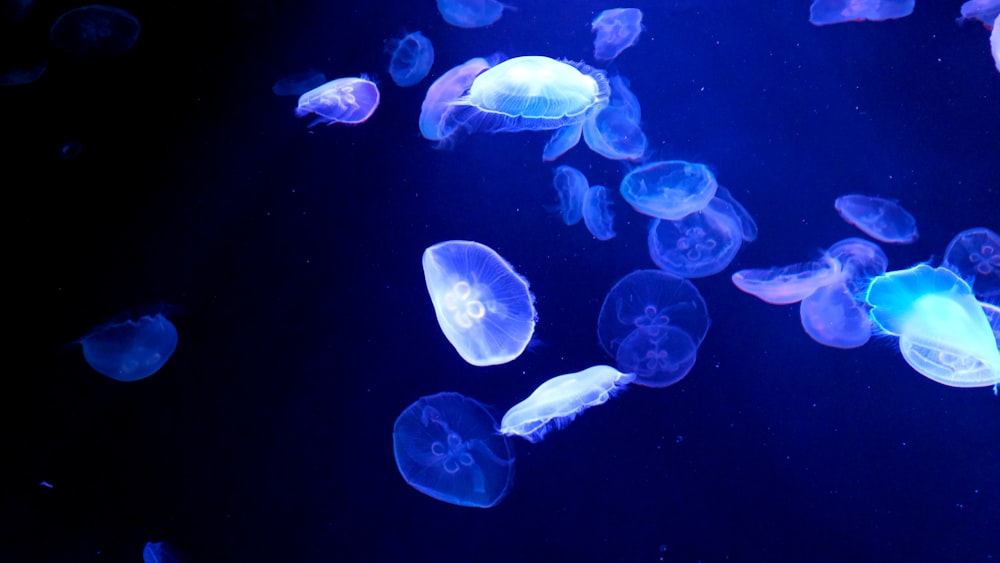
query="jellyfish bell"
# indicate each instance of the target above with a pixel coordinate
(349, 100)
(130, 348)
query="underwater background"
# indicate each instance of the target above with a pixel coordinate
(289, 259)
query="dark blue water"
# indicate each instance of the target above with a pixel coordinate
(290, 258)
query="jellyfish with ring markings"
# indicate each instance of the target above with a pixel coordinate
(349, 100)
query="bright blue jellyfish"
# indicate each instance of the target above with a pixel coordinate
(412, 57)
(532, 93)
(652, 323)
(571, 185)
(670, 189)
(597, 214)
(130, 350)
(943, 331)
(159, 552)
(95, 31)
(555, 403)
(701, 244)
(617, 30)
(483, 306)
(882, 219)
(435, 112)
(298, 83)
(447, 447)
(614, 131)
(974, 254)
(344, 100)
(470, 13)
(986, 11)
(823, 12)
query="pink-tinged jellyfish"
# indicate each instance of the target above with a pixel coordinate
(348, 100)
(484, 308)
(652, 323)
(95, 31)
(614, 131)
(435, 112)
(882, 219)
(784, 285)
(130, 350)
(986, 11)
(597, 214)
(571, 185)
(701, 244)
(555, 403)
(447, 447)
(470, 13)
(823, 12)
(617, 30)
(974, 254)
(298, 83)
(670, 189)
(944, 333)
(412, 57)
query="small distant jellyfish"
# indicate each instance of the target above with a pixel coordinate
(130, 350)
(70, 150)
(298, 83)
(823, 12)
(348, 100)
(974, 254)
(95, 31)
(882, 219)
(597, 214)
(159, 552)
(470, 13)
(571, 185)
(20, 74)
(412, 57)
(616, 30)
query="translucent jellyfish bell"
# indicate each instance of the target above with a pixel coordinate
(617, 29)
(670, 189)
(974, 254)
(555, 403)
(482, 305)
(470, 13)
(823, 12)
(943, 332)
(348, 100)
(447, 447)
(436, 123)
(132, 349)
(882, 219)
(412, 57)
(95, 31)
(159, 552)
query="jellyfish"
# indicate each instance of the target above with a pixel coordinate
(344, 100)
(22, 73)
(614, 132)
(974, 254)
(412, 57)
(95, 31)
(159, 552)
(470, 13)
(995, 42)
(298, 83)
(130, 350)
(882, 219)
(447, 447)
(555, 403)
(435, 111)
(670, 189)
(571, 185)
(986, 11)
(617, 30)
(747, 224)
(944, 333)
(784, 285)
(597, 214)
(652, 323)
(484, 308)
(701, 244)
(823, 12)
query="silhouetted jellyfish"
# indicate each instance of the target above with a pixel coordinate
(614, 131)
(159, 552)
(435, 111)
(483, 306)
(298, 83)
(447, 447)
(617, 30)
(344, 100)
(95, 31)
(412, 57)
(823, 12)
(943, 331)
(652, 323)
(470, 13)
(701, 244)
(555, 403)
(597, 214)
(20, 74)
(974, 254)
(70, 150)
(882, 219)
(670, 189)
(986, 11)
(571, 185)
(132, 349)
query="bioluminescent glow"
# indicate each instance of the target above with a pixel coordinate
(412, 57)
(132, 349)
(617, 29)
(823, 12)
(344, 100)
(882, 219)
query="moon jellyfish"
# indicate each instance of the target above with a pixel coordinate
(555, 403)
(571, 185)
(95, 31)
(617, 30)
(344, 100)
(470, 13)
(597, 214)
(784, 285)
(882, 219)
(974, 254)
(159, 552)
(823, 12)
(298, 83)
(986, 11)
(447, 447)
(670, 189)
(435, 111)
(701, 244)
(23, 73)
(412, 57)
(614, 132)
(995, 42)
(944, 334)
(652, 323)
(483, 306)
(132, 349)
